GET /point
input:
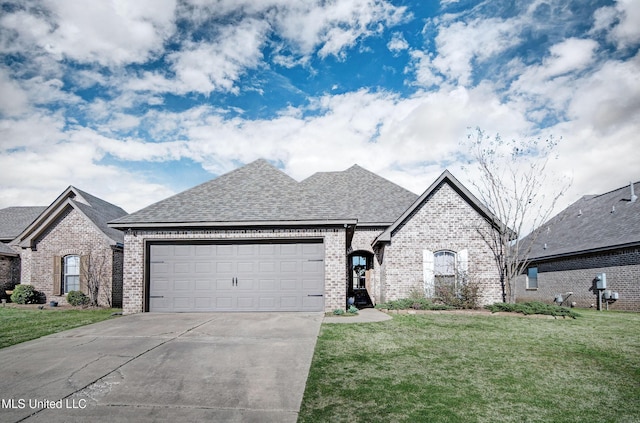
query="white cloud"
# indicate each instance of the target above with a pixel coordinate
(14, 100)
(210, 66)
(620, 21)
(461, 43)
(397, 43)
(108, 32)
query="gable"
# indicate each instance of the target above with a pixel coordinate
(452, 184)
(97, 213)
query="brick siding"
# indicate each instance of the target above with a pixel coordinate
(445, 221)
(70, 233)
(576, 274)
(334, 244)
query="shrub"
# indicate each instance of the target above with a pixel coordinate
(412, 303)
(465, 297)
(338, 312)
(352, 310)
(533, 307)
(25, 294)
(77, 298)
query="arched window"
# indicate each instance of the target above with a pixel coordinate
(444, 269)
(71, 275)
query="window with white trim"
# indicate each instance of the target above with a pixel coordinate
(444, 268)
(71, 275)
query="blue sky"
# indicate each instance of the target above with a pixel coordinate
(134, 101)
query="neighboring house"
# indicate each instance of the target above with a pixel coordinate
(596, 234)
(256, 239)
(70, 247)
(13, 220)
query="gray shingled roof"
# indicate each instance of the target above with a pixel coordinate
(14, 220)
(594, 222)
(362, 194)
(259, 192)
(5, 250)
(98, 211)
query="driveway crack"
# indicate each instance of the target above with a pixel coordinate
(118, 369)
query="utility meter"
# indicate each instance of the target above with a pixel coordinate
(601, 281)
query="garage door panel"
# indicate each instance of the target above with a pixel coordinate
(246, 303)
(232, 277)
(224, 267)
(246, 267)
(183, 250)
(182, 267)
(204, 285)
(266, 267)
(204, 267)
(224, 303)
(288, 266)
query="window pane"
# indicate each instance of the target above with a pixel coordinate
(444, 263)
(71, 283)
(72, 265)
(532, 277)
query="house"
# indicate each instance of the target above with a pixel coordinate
(256, 239)
(69, 246)
(596, 234)
(13, 220)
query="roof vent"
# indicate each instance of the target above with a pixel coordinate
(634, 197)
(613, 209)
(580, 212)
(545, 246)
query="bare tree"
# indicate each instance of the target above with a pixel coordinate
(95, 272)
(513, 183)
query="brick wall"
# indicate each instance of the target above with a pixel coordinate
(577, 274)
(335, 258)
(445, 221)
(70, 233)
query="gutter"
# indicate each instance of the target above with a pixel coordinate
(227, 225)
(584, 252)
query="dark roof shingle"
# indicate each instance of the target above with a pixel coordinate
(594, 222)
(259, 192)
(14, 220)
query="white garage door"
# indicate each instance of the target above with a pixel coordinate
(236, 277)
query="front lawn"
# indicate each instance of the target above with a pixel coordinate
(477, 368)
(20, 324)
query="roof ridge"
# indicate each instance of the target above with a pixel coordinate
(617, 189)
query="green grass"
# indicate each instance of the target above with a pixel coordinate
(477, 368)
(23, 324)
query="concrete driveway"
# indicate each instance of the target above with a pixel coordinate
(163, 367)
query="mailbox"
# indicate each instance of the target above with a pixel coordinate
(601, 281)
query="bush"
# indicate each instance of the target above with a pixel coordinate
(25, 294)
(352, 310)
(465, 297)
(412, 303)
(338, 312)
(533, 307)
(77, 298)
